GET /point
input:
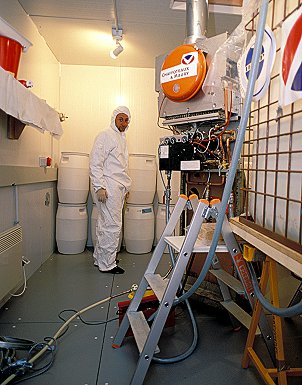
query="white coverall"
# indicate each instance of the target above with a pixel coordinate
(108, 170)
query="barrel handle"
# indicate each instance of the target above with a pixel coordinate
(65, 159)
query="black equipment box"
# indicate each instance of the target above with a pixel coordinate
(178, 157)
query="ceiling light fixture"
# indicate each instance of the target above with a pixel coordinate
(117, 35)
(119, 49)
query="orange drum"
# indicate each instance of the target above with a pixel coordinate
(183, 73)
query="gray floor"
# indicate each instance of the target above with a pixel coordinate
(84, 354)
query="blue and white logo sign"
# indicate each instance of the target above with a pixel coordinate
(266, 62)
(188, 58)
(248, 62)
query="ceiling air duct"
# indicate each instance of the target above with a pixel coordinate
(184, 69)
(197, 15)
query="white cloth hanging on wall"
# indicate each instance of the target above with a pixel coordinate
(19, 102)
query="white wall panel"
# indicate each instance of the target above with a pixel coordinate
(36, 217)
(38, 222)
(7, 208)
(88, 96)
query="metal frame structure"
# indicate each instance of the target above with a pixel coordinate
(269, 157)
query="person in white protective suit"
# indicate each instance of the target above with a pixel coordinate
(111, 183)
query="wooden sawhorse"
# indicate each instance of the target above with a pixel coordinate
(281, 372)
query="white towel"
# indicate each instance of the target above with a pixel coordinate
(21, 103)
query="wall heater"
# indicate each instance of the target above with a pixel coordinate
(11, 276)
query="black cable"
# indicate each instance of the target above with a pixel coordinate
(86, 322)
(44, 368)
(82, 320)
(158, 116)
(40, 346)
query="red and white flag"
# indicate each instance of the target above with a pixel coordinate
(291, 59)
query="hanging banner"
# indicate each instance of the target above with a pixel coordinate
(266, 62)
(291, 59)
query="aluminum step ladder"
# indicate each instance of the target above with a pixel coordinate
(227, 282)
(166, 289)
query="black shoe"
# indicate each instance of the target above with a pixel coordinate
(115, 270)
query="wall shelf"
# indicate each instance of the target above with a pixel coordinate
(25, 108)
(14, 127)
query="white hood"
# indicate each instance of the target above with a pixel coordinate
(119, 110)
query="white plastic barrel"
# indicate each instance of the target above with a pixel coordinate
(139, 228)
(142, 171)
(161, 183)
(93, 223)
(73, 177)
(160, 222)
(71, 228)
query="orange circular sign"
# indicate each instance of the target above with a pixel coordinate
(183, 73)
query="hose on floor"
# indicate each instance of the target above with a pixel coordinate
(53, 339)
(190, 350)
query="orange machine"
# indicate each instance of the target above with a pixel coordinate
(183, 73)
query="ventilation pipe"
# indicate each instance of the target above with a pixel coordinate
(197, 15)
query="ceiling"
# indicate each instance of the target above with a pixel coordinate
(78, 32)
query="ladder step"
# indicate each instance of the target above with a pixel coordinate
(241, 315)
(157, 284)
(140, 329)
(229, 280)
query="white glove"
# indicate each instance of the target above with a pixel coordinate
(102, 195)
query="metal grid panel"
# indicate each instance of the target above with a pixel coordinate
(271, 156)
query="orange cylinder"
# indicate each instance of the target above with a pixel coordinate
(183, 73)
(10, 54)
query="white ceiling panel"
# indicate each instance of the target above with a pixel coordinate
(79, 31)
(90, 9)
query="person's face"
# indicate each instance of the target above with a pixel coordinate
(121, 122)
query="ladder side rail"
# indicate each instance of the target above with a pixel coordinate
(133, 306)
(238, 260)
(168, 231)
(194, 202)
(157, 254)
(169, 295)
(246, 280)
